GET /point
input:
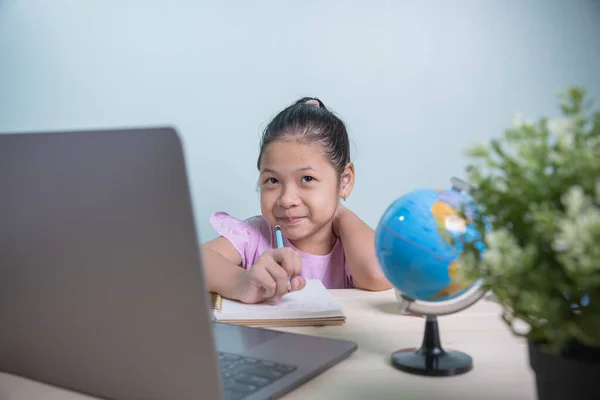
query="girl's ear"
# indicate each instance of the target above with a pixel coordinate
(347, 181)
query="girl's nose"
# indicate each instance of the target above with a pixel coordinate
(289, 198)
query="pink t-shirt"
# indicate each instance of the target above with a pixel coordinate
(254, 235)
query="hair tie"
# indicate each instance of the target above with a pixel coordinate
(313, 102)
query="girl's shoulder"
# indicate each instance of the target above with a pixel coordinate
(250, 236)
(223, 219)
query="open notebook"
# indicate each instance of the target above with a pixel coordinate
(311, 306)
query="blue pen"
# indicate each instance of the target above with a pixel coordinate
(279, 238)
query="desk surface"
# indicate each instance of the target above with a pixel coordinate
(501, 369)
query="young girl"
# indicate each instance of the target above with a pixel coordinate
(304, 168)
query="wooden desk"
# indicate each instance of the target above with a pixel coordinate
(501, 370)
(501, 365)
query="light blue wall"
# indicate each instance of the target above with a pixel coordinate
(416, 81)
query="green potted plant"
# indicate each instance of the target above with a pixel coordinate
(538, 188)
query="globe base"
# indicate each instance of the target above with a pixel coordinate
(431, 359)
(448, 363)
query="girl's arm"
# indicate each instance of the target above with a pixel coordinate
(222, 266)
(359, 247)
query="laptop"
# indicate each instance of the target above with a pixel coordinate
(102, 289)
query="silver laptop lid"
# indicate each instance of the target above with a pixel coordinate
(101, 287)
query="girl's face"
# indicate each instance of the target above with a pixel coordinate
(299, 189)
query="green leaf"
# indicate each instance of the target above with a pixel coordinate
(585, 329)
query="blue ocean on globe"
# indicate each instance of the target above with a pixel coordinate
(411, 250)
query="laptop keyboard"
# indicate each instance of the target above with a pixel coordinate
(243, 376)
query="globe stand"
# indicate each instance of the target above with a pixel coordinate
(431, 359)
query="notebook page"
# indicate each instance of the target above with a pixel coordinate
(314, 301)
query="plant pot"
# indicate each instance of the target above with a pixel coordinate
(574, 374)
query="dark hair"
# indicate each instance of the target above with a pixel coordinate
(310, 123)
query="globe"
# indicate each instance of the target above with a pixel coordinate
(418, 242)
(413, 247)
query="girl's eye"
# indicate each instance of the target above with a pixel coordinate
(271, 181)
(308, 179)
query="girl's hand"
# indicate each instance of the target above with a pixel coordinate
(267, 278)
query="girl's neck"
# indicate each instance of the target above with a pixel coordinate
(320, 243)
